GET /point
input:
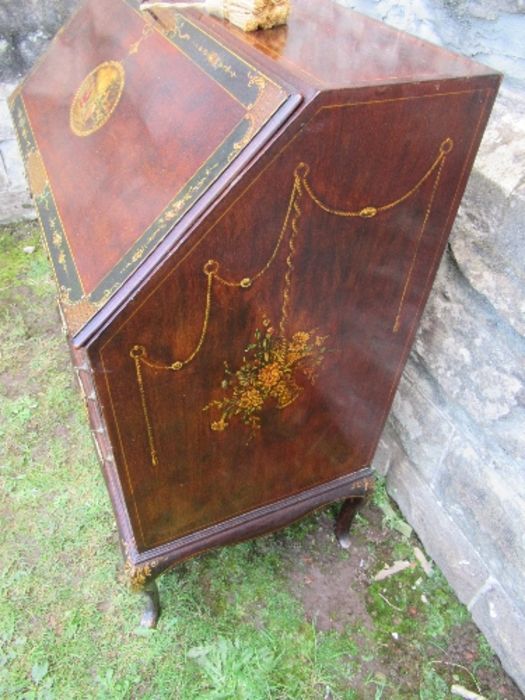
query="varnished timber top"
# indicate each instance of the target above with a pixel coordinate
(335, 47)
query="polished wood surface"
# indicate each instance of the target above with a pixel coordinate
(242, 373)
(356, 281)
(131, 128)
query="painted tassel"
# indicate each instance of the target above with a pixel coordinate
(249, 15)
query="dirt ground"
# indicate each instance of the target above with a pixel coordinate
(334, 589)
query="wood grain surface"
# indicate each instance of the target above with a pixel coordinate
(242, 373)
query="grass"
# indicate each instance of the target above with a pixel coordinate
(238, 623)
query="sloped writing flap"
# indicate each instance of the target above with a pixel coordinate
(123, 126)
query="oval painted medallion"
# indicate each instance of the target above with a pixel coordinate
(97, 98)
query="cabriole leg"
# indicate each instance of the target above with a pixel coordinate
(346, 518)
(151, 613)
(142, 580)
(360, 493)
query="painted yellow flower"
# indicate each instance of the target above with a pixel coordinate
(279, 351)
(250, 399)
(270, 375)
(301, 338)
(219, 426)
(283, 394)
(267, 376)
(293, 356)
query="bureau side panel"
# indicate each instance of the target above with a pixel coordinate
(263, 359)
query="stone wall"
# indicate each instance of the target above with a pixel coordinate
(453, 449)
(14, 198)
(489, 31)
(26, 26)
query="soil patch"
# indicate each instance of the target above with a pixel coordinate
(335, 586)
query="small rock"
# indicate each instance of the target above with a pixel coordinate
(29, 249)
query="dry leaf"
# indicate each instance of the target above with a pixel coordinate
(392, 570)
(462, 692)
(425, 564)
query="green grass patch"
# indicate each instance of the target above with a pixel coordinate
(238, 623)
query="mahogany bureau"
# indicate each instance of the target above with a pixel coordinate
(244, 230)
